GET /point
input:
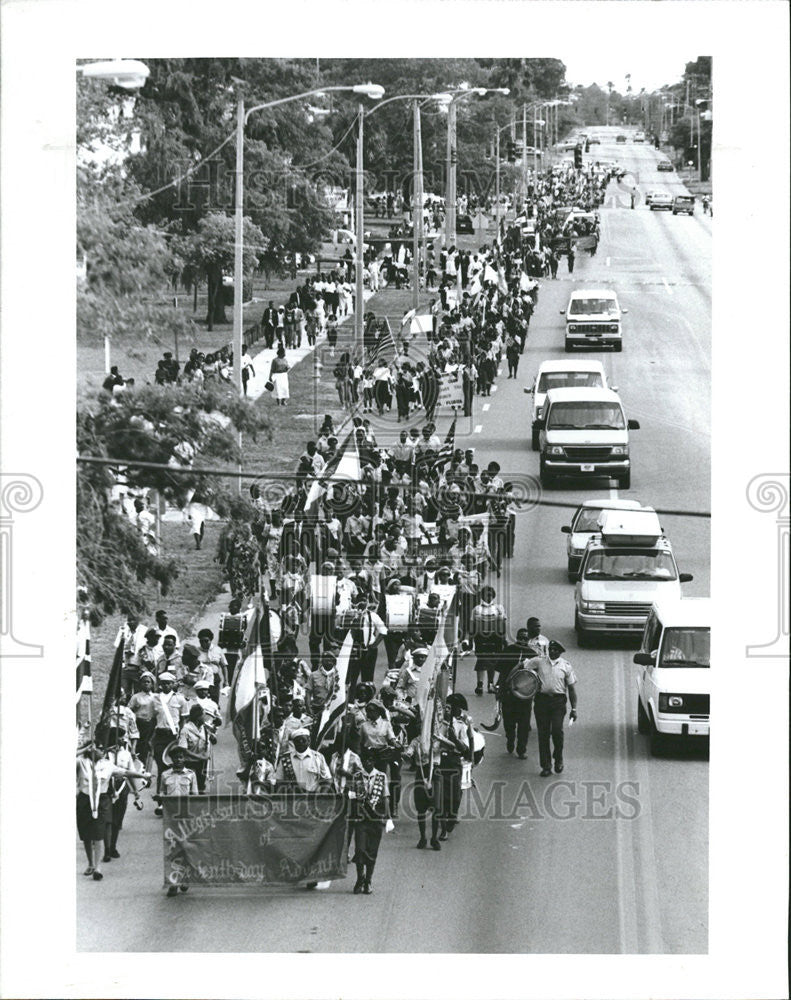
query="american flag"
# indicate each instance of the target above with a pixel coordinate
(445, 453)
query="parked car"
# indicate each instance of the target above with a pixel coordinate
(665, 166)
(620, 138)
(464, 224)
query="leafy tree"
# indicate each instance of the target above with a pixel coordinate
(209, 252)
(177, 425)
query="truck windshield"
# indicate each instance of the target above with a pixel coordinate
(630, 564)
(593, 307)
(686, 647)
(588, 415)
(564, 380)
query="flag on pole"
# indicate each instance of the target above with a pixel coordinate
(445, 453)
(335, 705)
(489, 275)
(249, 689)
(344, 465)
(84, 679)
(113, 691)
(384, 342)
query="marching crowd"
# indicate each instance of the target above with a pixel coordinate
(421, 534)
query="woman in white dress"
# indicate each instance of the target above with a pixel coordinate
(278, 374)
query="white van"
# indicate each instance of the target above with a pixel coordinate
(593, 319)
(674, 679)
(584, 432)
(626, 568)
(578, 373)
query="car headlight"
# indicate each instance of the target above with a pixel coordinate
(594, 606)
(614, 328)
(555, 449)
(668, 701)
(620, 449)
(572, 327)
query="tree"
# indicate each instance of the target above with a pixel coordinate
(177, 425)
(209, 252)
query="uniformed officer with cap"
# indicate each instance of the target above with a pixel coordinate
(558, 682)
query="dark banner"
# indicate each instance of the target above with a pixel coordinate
(236, 840)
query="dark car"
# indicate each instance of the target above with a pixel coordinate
(620, 138)
(594, 141)
(464, 224)
(665, 166)
(684, 203)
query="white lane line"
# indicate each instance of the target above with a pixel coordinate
(477, 429)
(494, 388)
(668, 289)
(624, 847)
(485, 407)
(607, 262)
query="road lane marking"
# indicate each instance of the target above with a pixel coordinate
(499, 371)
(624, 848)
(485, 407)
(667, 287)
(478, 428)
(607, 262)
(642, 829)
(494, 388)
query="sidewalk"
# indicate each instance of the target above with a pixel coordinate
(262, 361)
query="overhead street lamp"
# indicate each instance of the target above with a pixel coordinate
(451, 157)
(131, 74)
(371, 90)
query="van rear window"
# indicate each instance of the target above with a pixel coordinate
(564, 380)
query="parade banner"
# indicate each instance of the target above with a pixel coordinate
(451, 391)
(240, 840)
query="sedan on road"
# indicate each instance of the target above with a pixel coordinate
(661, 199)
(665, 166)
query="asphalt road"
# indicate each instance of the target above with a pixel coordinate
(613, 857)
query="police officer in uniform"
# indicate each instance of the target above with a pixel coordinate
(558, 683)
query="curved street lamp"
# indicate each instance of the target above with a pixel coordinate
(130, 74)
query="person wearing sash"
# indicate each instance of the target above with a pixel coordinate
(94, 803)
(426, 791)
(122, 757)
(170, 708)
(371, 796)
(211, 710)
(367, 630)
(176, 780)
(487, 627)
(301, 769)
(321, 684)
(516, 708)
(196, 738)
(455, 746)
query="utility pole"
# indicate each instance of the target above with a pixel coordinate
(238, 250)
(450, 185)
(417, 192)
(359, 302)
(497, 183)
(524, 157)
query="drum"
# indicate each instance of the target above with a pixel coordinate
(399, 611)
(523, 684)
(446, 591)
(323, 590)
(232, 630)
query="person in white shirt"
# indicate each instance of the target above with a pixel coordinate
(302, 769)
(133, 635)
(162, 626)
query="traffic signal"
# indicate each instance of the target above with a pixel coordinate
(578, 156)
(510, 151)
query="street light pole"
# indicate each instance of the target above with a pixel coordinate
(359, 301)
(238, 249)
(497, 185)
(450, 186)
(417, 191)
(524, 157)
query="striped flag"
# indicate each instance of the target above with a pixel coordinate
(84, 679)
(344, 465)
(113, 691)
(335, 707)
(249, 689)
(384, 343)
(445, 453)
